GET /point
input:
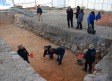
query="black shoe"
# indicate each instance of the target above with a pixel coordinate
(76, 28)
(57, 60)
(59, 64)
(72, 26)
(81, 28)
(89, 72)
(51, 58)
(38, 20)
(84, 69)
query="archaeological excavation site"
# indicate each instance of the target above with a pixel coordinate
(19, 26)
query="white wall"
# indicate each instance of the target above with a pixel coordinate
(72, 3)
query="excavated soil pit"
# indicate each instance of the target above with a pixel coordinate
(48, 69)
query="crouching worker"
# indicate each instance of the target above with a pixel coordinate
(60, 53)
(47, 52)
(23, 52)
(90, 58)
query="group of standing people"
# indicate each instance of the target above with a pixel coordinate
(79, 16)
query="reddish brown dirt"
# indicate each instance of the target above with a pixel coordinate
(48, 69)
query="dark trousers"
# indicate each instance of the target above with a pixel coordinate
(27, 60)
(90, 65)
(71, 19)
(79, 24)
(51, 55)
(92, 23)
(61, 57)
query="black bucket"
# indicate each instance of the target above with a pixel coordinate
(80, 62)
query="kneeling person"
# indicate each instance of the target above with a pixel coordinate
(60, 53)
(47, 52)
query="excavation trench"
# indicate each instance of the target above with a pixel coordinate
(48, 69)
(13, 35)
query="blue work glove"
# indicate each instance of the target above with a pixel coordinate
(59, 57)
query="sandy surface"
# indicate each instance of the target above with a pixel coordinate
(48, 69)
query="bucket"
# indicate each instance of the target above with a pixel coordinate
(80, 62)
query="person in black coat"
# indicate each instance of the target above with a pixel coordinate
(39, 12)
(47, 52)
(60, 53)
(77, 12)
(70, 16)
(90, 58)
(23, 52)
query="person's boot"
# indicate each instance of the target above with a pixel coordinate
(84, 69)
(51, 58)
(57, 60)
(76, 27)
(89, 71)
(59, 64)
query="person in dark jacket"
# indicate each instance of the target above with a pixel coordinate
(91, 19)
(70, 16)
(39, 12)
(77, 12)
(98, 16)
(60, 53)
(90, 58)
(80, 19)
(47, 52)
(23, 52)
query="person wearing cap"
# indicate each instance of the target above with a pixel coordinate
(39, 12)
(23, 52)
(47, 52)
(60, 53)
(91, 19)
(90, 58)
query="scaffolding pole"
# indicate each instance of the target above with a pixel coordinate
(13, 3)
(35, 4)
(52, 3)
(87, 3)
(65, 3)
(94, 4)
(102, 4)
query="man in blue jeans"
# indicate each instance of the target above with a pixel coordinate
(91, 19)
(80, 19)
